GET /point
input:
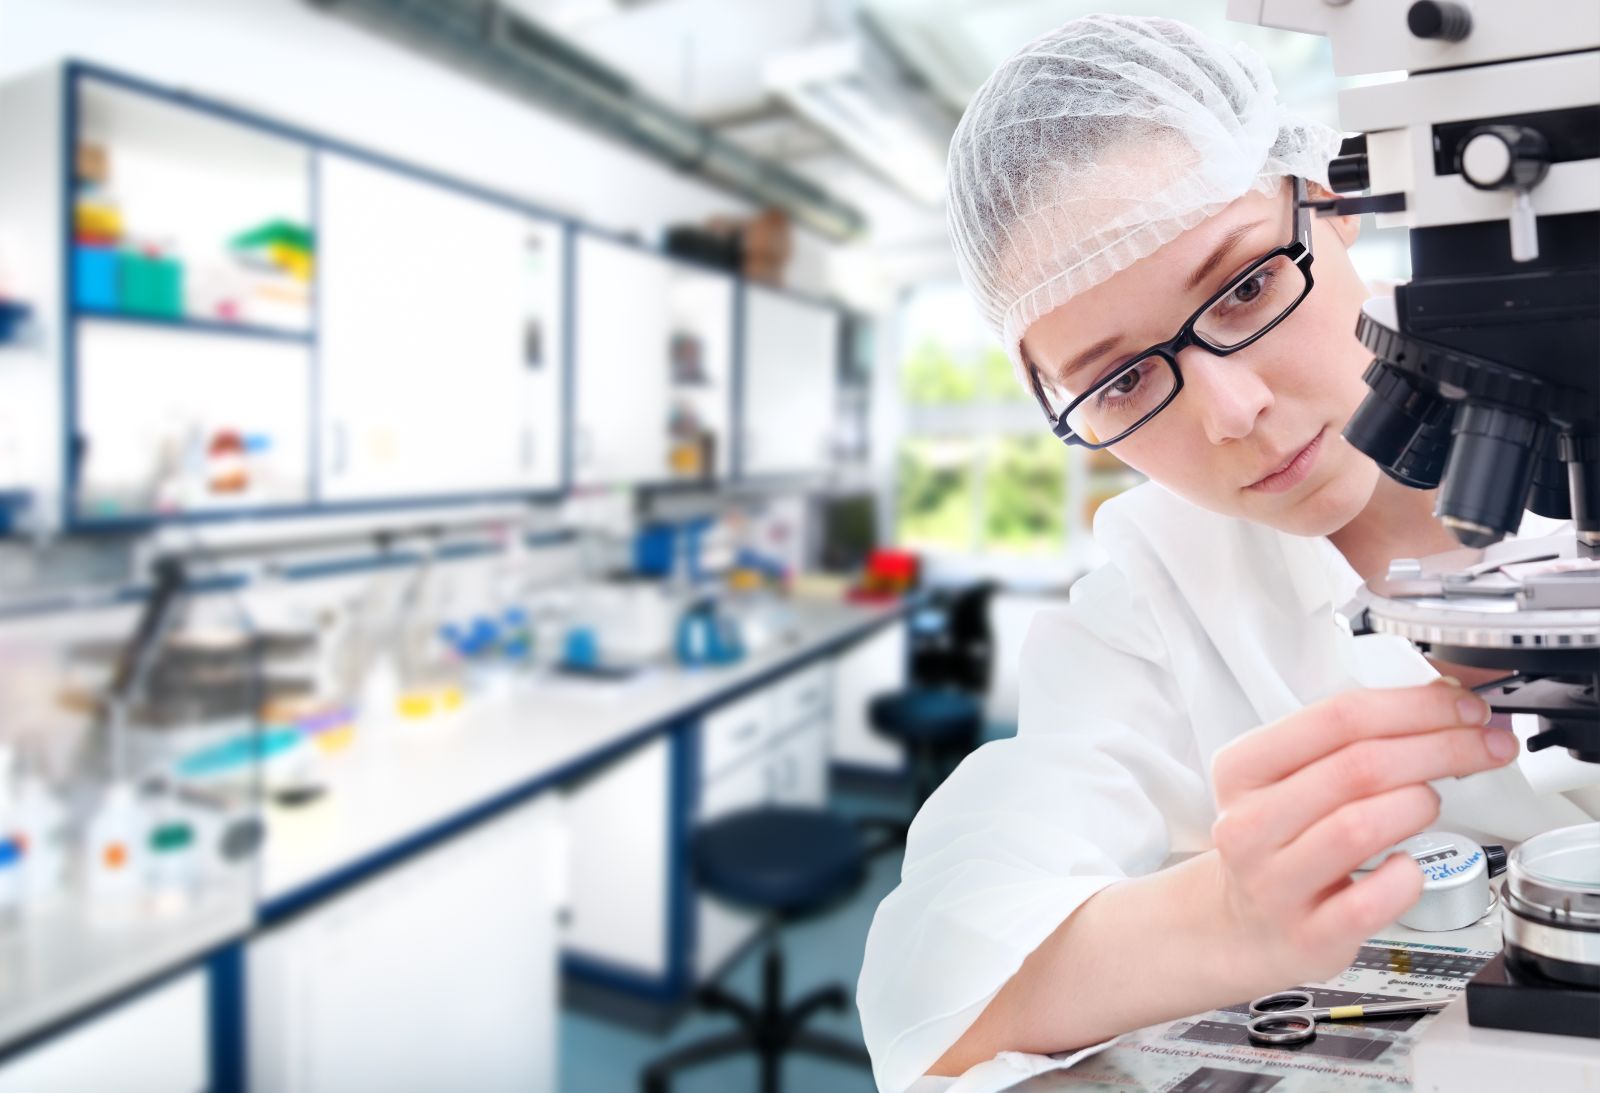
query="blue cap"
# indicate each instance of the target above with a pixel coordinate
(10, 853)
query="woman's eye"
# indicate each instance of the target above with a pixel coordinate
(1126, 383)
(1247, 291)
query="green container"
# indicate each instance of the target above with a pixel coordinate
(151, 286)
(171, 837)
(284, 233)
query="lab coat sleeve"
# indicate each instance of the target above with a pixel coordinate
(1029, 828)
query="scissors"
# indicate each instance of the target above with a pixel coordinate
(1288, 1017)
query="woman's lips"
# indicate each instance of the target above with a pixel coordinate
(1295, 471)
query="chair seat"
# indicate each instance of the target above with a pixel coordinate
(927, 717)
(786, 860)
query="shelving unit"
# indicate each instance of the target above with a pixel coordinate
(190, 180)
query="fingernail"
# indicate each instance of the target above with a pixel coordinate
(1501, 744)
(1452, 680)
(1474, 711)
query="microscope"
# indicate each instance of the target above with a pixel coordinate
(1485, 385)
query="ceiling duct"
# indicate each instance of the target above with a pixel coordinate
(489, 41)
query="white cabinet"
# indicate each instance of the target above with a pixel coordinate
(440, 339)
(438, 974)
(791, 358)
(623, 363)
(157, 1043)
(735, 732)
(799, 766)
(871, 668)
(619, 831)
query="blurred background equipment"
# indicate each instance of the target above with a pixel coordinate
(565, 420)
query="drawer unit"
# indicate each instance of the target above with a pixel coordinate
(805, 696)
(735, 732)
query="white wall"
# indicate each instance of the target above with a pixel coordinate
(286, 59)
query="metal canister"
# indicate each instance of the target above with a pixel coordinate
(1551, 921)
(1455, 880)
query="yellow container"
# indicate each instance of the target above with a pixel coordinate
(97, 221)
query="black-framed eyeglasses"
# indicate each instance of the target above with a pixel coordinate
(1248, 306)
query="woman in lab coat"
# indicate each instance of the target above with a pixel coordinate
(1109, 182)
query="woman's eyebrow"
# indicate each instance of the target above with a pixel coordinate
(1225, 247)
(1088, 357)
(1219, 255)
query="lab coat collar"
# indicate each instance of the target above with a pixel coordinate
(1322, 579)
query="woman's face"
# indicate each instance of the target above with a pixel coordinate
(1240, 418)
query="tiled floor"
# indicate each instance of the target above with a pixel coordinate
(598, 1056)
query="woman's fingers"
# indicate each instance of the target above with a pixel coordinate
(1273, 752)
(1275, 815)
(1335, 846)
(1362, 908)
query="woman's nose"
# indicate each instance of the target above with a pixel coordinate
(1227, 393)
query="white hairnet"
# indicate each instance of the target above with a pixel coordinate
(1100, 142)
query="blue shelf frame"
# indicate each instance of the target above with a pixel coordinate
(204, 326)
(74, 72)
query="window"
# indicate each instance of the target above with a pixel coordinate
(977, 472)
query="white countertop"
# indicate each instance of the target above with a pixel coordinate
(61, 963)
(398, 781)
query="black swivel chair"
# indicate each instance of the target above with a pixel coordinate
(791, 864)
(938, 719)
(936, 728)
(959, 652)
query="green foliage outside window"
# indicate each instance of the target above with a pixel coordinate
(1024, 492)
(935, 494)
(998, 379)
(930, 376)
(973, 488)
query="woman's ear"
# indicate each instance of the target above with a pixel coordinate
(1347, 227)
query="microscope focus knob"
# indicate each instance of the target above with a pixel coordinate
(1439, 19)
(1347, 174)
(1503, 157)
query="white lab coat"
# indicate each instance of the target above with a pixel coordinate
(1200, 628)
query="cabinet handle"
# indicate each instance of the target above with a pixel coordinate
(528, 450)
(336, 462)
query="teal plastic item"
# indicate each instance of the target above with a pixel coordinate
(151, 285)
(239, 752)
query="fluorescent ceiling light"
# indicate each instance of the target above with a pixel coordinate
(826, 85)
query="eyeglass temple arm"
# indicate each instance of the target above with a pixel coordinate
(1302, 212)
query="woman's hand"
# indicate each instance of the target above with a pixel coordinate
(1304, 801)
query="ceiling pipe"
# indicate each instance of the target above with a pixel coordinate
(485, 39)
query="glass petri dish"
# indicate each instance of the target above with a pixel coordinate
(1552, 905)
(1567, 858)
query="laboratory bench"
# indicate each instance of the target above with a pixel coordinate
(1444, 1054)
(533, 836)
